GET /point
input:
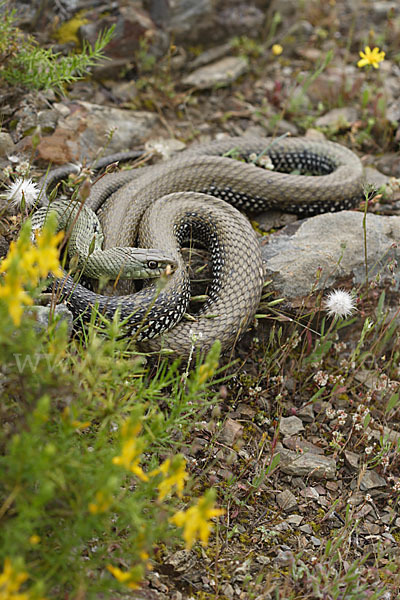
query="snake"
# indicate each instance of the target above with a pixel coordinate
(201, 195)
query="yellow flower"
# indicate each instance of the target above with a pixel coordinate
(47, 254)
(15, 297)
(277, 49)
(102, 504)
(10, 582)
(130, 578)
(132, 449)
(34, 539)
(371, 57)
(24, 265)
(175, 475)
(196, 520)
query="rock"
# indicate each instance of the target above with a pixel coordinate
(132, 26)
(338, 119)
(43, 314)
(375, 178)
(372, 480)
(388, 434)
(231, 431)
(191, 22)
(291, 425)
(286, 500)
(306, 529)
(83, 128)
(4, 245)
(307, 465)
(310, 493)
(294, 520)
(210, 55)
(334, 243)
(228, 591)
(284, 558)
(389, 164)
(296, 443)
(220, 73)
(7, 145)
(165, 147)
(306, 413)
(352, 459)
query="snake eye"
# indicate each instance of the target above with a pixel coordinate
(152, 264)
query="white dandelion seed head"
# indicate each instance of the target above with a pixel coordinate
(339, 303)
(22, 191)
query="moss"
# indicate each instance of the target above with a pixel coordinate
(68, 31)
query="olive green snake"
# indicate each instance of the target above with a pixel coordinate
(198, 195)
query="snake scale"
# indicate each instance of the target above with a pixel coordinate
(199, 195)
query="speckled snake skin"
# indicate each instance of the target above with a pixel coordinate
(183, 198)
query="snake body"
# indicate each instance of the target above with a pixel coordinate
(181, 199)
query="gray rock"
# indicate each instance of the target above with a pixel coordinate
(291, 425)
(43, 315)
(352, 459)
(284, 558)
(307, 465)
(338, 118)
(286, 500)
(231, 431)
(4, 246)
(7, 145)
(372, 480)
(375, 178)
(220, 73)
(207, 21)
(292, 257)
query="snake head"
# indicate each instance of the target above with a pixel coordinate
(148, 264)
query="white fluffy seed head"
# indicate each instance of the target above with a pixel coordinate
(22, 192)
(339, 303)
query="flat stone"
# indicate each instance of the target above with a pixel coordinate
(310, 493)
(372, 480)
(296, 443)
(291, 425)
(286, 500)
(338, 118)
(352, 459)
(43, 314)
(231, 431)
(7, 145)
(293, 256)
(220, 73)
(294, 520)
(307, 465)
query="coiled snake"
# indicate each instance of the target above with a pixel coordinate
(186, 197)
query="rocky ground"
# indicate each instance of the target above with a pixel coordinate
(181, 72)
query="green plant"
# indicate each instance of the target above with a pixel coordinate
(24, 63)
(90, 473)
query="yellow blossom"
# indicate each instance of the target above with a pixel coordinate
(47, 254)
(196, 520)
(130, 578)
(15, 297)
(277, 49)
(24, 265)
(34, 539)
(10, 582)
(371, 57)
(131, 450)
(102, 504)
(174, 475)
